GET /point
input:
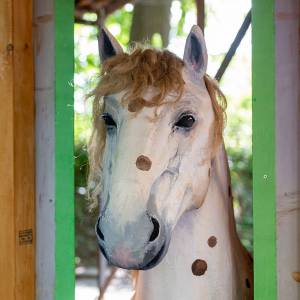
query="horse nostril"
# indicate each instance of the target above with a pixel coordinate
(155, 231)
(99, 232)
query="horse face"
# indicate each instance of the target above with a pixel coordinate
(155, 168)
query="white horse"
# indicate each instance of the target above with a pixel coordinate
(159, 167)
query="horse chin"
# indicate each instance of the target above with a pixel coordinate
(151, 259)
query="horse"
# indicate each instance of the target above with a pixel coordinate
(159, 168)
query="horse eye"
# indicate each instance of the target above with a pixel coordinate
(186, 121)
(108, 120)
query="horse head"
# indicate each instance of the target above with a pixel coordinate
(156, 125)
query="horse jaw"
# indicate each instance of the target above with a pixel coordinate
(205, 259)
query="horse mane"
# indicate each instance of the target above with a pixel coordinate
(133, 73)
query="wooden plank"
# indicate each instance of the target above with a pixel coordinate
(264, 179)
(64, 140)
(288, 146)
(7, 204)
(24, 164)
(17, 260)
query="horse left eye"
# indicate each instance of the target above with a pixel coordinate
(186, 121)
(108, 120)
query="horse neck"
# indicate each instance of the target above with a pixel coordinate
(207, 234)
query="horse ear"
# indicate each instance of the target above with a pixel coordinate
(195, 53)
(108, 45)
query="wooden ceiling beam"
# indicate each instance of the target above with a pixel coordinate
(90, 6)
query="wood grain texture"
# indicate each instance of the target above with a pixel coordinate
(288, 147)
(17, 227)
(7, 204)
(24, 150)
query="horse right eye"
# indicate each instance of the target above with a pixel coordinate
(108, 120)
(186, 121)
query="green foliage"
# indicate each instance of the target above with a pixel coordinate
(82, 128)
(85, 61)
(239, 149)
(156, 40)
(85, 242)
(119, 24)
(186, 5)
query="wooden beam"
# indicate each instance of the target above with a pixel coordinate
(264, 149)
(107, 8)
(45, 137)
(64, 152)
(7, 200)
(79, 20)
(17, 187)
(24, 136)
(233, 47)
(200, 4)
(287, 24)
(113, 6)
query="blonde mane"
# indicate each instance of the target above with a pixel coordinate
(133, 73)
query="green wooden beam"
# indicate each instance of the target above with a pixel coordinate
(264, 179)
(64, 137)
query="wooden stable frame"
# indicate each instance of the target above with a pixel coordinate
(36, 160)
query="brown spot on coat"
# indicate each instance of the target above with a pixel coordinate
(212, 241)
(143, 163)
(199, 267)
(296, 276)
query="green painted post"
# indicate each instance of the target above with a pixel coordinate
(264, 180)
(64, 137)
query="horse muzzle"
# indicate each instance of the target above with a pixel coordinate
(138, 245)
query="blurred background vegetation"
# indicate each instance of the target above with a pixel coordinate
(166, 24)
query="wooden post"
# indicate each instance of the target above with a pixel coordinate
(17, 186)
(264, 175)
(287, 24)
(200, 4)
(54, 57)
(64, 150)
(54, 60)
(276, 145)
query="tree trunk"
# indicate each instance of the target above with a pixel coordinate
(150, 17)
